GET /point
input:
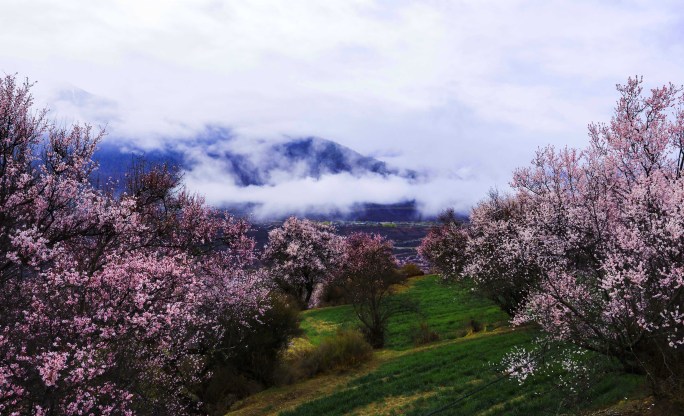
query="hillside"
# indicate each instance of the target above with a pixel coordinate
(453, 373)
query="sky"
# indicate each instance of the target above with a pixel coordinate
(461, 91)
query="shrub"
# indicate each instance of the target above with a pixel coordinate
(334, 295)
(343, 351)
(423, 334)
(474, 326)
(247, 359)
(294, 366)
(410, 270)
(346, 350)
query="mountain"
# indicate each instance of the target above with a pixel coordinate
(115, 161)
(262, 164)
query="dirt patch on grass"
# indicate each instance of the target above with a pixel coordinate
(498, 408)
(392, 405)
(321, 326)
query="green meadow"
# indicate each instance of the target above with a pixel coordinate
(458, 374)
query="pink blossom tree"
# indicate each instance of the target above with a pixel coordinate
(367, 274)
(444, 246)
(488, 251)
(499, 259)
(302, 254)
(109, 304)
(605, 230)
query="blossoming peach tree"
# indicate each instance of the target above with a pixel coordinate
(109, 303)
(594, 239)
(444, 246)
(367, 274)
(301, 255)
(606, 226)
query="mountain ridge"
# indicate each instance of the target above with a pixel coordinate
(264, 165)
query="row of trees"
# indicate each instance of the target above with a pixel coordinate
(141, 301)
(590, 245)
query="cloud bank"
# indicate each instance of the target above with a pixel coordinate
(278, 184)
(299, 176)
(466, 90)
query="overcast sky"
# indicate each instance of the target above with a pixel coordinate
(465, 90)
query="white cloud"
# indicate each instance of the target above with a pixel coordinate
(442, 85)
(338, 193)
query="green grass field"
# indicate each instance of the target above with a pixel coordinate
(410, 380)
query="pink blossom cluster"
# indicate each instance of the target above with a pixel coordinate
(368, 264)
(520, 364)
(444, 248)
(302, 255)
(489, 250)
(596, 240)
(108, 302)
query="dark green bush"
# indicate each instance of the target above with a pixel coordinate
(246, 361)
(334, 295)
(475, 326)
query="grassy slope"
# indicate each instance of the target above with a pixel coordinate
(407, 380)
